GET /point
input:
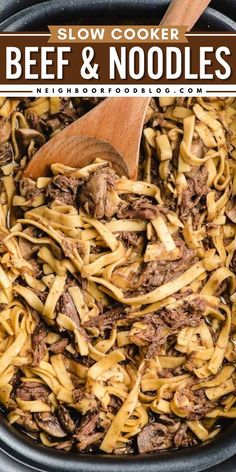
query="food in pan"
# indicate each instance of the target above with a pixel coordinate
(118, 303)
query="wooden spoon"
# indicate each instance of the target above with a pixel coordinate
(184, 12)
(112, 130)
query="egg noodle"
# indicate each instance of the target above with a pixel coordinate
(117, 301)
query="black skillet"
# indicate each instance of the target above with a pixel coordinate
(20, 454)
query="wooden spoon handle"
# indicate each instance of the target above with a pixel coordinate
(184, 12)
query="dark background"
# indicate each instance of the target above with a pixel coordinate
(11, 7)
(7, 9)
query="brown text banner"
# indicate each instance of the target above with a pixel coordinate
(121, 34)
(205, 59)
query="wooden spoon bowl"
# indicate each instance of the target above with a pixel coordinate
(111, 131)
(79, 149)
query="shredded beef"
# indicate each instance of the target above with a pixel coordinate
(76, 381)
(165, 435)
(50, 424)
(39, 333)
(202, 406)
(80, 394)
(198, 404)
(172, 422)
(231, 210)
(67, 115)
(154, 437)
(138, 208)
(192, 200)
(155, 331)
(39, 348)
(124, 450)
(63, 189)
(53, 124)
(64, 445)
(15, 381)
(6, 153)
(41, 295)
(59, 346)
(65, 419)
(66, 306)
(152, 276)
(69, 111)
(183, 437)
(233, 263)
(35, 121)
(161, 334)
(94, 196)
(129, 238)
(27, 248)
(115, 404)
(66, 184)
(87, 433)
(32, 391)
(29, 190)
(164, 323)
(105, 320)
(220, 291)
(158, 273)
(190, 313)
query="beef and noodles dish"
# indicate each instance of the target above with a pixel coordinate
(118, 301)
